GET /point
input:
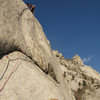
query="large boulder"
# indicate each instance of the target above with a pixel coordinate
(28, 82)
(20, 31)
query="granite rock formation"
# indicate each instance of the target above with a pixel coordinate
(83, 80)
(30, 70)
(20, 31)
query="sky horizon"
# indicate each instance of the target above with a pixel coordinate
(72, 27)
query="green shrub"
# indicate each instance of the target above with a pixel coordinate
(79, 90)
(84, 76)
(79, 83)
(84, 83)
(92, 80)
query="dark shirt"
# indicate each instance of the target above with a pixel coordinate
(31, 7)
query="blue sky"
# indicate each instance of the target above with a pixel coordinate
(72, 27)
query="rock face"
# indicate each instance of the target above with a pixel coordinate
(28, 82)
(83, 81)
(20, 31)
(25, 32)
(29, 70)
(77, 60)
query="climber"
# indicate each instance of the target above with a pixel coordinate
(31, 7)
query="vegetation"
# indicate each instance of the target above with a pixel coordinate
(92, 80)
(84, 76)
(79, 90)
(79, 83)
(84, 83)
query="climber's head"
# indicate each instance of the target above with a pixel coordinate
(29, 5)
(33, 6)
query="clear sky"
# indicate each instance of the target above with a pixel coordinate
(72, 27)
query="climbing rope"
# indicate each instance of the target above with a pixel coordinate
(13, 70)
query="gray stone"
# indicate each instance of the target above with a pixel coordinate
(28, 82)
(20, 31)
(83, 80)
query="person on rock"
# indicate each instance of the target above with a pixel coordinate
(31, 7)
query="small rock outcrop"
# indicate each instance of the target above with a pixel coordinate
(82, 80)
(77, 60)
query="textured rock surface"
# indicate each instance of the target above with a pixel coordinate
(95, 95)
(25, 32)
(20, 31)
(83, 81)
(28, 82)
